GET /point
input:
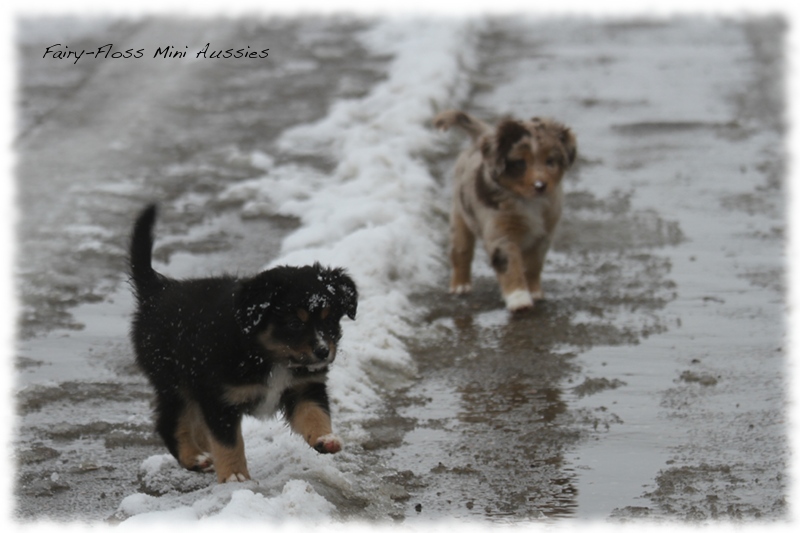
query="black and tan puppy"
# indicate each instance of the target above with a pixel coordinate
(507, 193)
(218, 348)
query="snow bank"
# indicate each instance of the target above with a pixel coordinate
(373, 216)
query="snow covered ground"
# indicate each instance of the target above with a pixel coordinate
(672, 242)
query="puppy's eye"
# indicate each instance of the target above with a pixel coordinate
(295, 324)
(553, 161)
(515, 167)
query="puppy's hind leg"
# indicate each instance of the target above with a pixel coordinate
(462, 249)
(177, 423)
(169, 411)
(225, 441)
(194, 449)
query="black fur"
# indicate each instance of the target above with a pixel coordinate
(509, 132)
(199, 339)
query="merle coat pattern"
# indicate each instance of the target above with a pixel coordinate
(508, 194)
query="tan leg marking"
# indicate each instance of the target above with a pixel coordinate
(462, 249)
(314, 425)
(230, 462)
(192, 437)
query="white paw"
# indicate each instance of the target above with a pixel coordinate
(236, 477)
(205, 462)
(519, 300)
(461, 289)
(329, 443)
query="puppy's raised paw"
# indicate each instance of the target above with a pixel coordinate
(329, 443)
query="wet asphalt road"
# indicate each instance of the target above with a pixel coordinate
(508, 419)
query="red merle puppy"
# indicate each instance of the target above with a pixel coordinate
(508, 194)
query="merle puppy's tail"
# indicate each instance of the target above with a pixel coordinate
(454, 118)
(141, 252)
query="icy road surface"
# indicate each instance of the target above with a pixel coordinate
(650, 384)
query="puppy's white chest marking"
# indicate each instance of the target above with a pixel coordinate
(276, 383)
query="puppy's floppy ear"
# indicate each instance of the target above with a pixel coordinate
(509, 133)
(349, 295)
(253, 299)
(342, 288)
(495, 148)
(570, 144)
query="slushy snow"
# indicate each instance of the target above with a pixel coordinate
(373, 215)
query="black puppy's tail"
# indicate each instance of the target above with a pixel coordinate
(142, 274)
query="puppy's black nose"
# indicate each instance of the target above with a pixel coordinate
(321, 352)
(540, 186)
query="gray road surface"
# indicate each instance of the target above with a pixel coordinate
(651, 382)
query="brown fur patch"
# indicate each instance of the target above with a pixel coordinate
(266, 340)
(192, 436)
(461, 252)
(302, 314)
(310, 421)
(229, 460)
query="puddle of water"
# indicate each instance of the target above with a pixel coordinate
(453, 484)
(424, 446)
(62, 355)
(616, 467)
(691, 392)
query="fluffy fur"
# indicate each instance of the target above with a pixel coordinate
(507, 193)
(218, 348)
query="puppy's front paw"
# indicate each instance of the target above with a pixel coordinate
(329, 443)
(236, 476)
(464, 288)
(519, 300)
